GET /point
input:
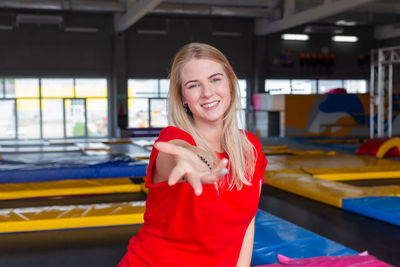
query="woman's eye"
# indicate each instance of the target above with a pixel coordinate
(216, 79)
(192, 86)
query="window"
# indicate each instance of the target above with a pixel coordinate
(1, 88)
(95, 93)
(277, 87)
(147, 103)
(243, 100)
(28, 114)
(355, 86)
(300, 86)
(7, 118)
(325, 86)
(304, 87)
(33, 108)
(57, 88)
(53, 118)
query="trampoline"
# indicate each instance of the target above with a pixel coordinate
(331, 180)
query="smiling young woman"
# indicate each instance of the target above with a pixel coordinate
(204, 174)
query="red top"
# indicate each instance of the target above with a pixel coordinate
(182, 229)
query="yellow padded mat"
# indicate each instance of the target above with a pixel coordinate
(71, 216)
(301, 175)
(67, 187)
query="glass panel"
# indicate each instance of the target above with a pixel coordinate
(325, 85)
(143, 88)
(7, 119)
(28, 118)
(164, 87)
(355, 86)
(52, 115)
(57, 88)
(138, 113)
(304, 87)
(243, 102)
(25, 87)
(1, 88)
(243, 87)
(75, 122)
(241, 118)
(9, 87)
(277, 87)
(243, 92)
(91, 87)
(158, 112)
(97, 117)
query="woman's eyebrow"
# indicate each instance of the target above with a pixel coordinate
(215, 74)
(212, 76)
(191, 81)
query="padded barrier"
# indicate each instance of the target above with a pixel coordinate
(67, 188)
(81, 168)
(380, 147)
(306, 176)
(285, 150)
(385, 208)
(71, 217)
(275, 236)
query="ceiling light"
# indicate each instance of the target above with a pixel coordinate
(38, 19)
(6, 27)
(344, 38)
(329, 29)
(343, 22)
(297, 37)
(80, 29)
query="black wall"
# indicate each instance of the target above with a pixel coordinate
(150, 55)
(46, 50)
(346, 64)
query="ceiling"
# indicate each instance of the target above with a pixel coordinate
(270, 15)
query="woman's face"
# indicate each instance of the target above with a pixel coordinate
(205, 89)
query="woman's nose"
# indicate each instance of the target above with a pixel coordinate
(207, 90)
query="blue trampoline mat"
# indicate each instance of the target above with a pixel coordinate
(276, 236)
(385, 208)
(77, 168)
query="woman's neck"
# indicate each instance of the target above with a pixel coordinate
(212, 133)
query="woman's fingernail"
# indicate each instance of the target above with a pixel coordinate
(224, 171)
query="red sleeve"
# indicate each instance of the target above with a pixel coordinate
(167, 134)
(261, 162)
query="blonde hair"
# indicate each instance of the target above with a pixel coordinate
(240, 150)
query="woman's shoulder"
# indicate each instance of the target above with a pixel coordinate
(172, 132)
(252, 138)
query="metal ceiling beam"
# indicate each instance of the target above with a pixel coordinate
(387, 31)
(82, 5)
(326, 9)
(237, 3)
(211, 10)
(135, 11)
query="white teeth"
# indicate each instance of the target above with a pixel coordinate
(210, 105)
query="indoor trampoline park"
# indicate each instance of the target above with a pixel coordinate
(92, 174)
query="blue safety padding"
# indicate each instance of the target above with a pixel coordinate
(308, 141)
(384, 208)
(80, 168)
(276, 236)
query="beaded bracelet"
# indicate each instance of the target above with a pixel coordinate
(205, 161)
